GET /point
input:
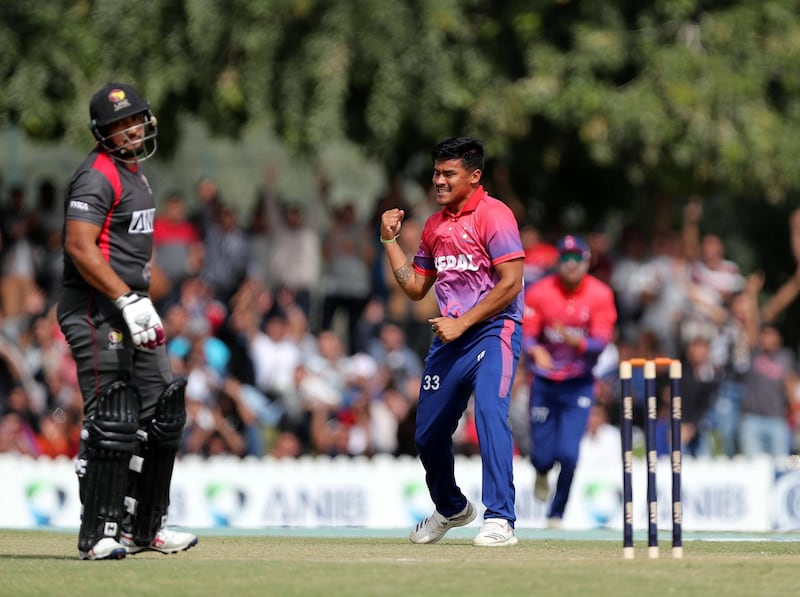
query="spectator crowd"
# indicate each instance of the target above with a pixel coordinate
(295, 339)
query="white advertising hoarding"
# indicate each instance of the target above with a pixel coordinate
(385, 493)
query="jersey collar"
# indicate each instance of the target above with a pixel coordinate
(133, 167)
(477, 196)
(575, 290)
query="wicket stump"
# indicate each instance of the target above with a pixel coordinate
(626, 382)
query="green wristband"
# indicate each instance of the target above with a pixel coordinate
(391, 240)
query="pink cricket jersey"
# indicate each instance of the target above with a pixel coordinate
(462, 249)
(588, 311)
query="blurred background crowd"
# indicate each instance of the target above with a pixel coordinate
(295, 339)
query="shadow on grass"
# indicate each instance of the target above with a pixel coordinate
(25, 556)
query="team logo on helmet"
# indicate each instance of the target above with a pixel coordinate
(118, 99)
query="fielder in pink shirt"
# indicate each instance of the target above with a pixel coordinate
(569, 320)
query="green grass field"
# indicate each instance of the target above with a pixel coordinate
(45, 563)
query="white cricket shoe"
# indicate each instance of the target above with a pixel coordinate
(435, 526)
(495, 532)
(541, 487)
(166, 541)
(107, 548)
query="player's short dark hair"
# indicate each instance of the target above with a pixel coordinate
(466, 149)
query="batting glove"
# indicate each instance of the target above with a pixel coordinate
(143, 322)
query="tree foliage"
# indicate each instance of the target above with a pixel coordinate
(609, 100)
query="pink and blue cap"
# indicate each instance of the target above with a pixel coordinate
(573, 245)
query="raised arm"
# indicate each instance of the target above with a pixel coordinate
(788, 292)
(414, 285)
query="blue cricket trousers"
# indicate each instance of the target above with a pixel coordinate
(559, 412)
(482, 363)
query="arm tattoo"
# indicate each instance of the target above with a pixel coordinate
(402, 274)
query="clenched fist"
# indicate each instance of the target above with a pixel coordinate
(391, 221)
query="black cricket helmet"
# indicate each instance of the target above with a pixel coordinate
(115, 102)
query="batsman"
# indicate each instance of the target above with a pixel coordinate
(133, 408)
